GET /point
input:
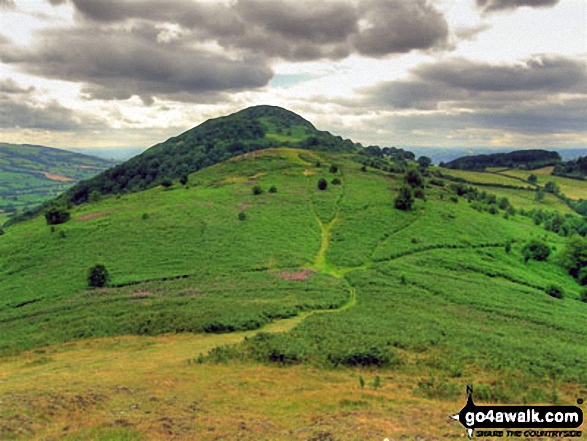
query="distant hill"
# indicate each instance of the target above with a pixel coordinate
(575, 168)
(31, 174)
(522, 159)
(212, 142)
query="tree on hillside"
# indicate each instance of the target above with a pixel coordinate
(322, 184)
(57, 215)
(574, 256)
(413, 178)
(535, 250)
(424, 162)
(532, 179)
(98, 276)
(405, 199)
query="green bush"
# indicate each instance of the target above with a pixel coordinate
(273, 189)
(322, 184)
(405, 199)
(336, 181)
(183, 180)
(535, 250)
(242, 216)
(257, 190)
(333, 168)
(555, 291)
(583, 296)
(98, 276)
(57, 215)
(166, 182)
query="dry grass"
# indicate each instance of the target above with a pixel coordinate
(144, 387)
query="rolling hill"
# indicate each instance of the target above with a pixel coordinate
(524, 159)
(30, 174)
(249, 300)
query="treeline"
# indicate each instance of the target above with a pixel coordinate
(522, 159)
(576, 168)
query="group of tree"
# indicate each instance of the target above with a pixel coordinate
(576, 168)
(563, 225)
(413, 187)
(483, 201)
(522, 159)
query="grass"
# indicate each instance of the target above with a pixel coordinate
(339, 283)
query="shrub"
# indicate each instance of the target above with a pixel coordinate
(322, 184)
(1, 232)
(318, 164)
(508, 246)
(364, 168)
(183, 180)
(145, 216)
(532, 179)
(166, 183)
(413, 178)
(273, 189)
(95, 196)
(336, 181)
(535, 250)
(583, 296)
(98, 276)
(405, 199)
(333, 168)
(242, 216)
(57, 215)
(555, 291)
(419, 193)
(257, 190)
(582, 277)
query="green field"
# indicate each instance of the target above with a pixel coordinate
(30, 175)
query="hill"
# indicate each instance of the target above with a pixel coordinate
(211, 142)
(522, 159)
(249, 303)
(31, 174)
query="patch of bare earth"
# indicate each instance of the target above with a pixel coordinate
(94, 215)
(298, 275)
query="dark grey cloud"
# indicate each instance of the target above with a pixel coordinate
(463, 83)
(398, 26)
(117, 64)
(292, 30)
(551, 73)
(10, 87)
(499, 5)
(545, 94)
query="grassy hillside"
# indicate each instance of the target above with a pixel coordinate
(266, 308)
(30, 175)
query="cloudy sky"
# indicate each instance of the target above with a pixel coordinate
(493, 73)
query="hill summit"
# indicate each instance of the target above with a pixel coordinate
(212, 142)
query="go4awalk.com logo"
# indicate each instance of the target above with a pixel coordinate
(519, 421)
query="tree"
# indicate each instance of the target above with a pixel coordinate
(242, 216)
(551, 187)
(405, 199)
(183, 180)
(333, 168)
(424, 162)
(574, 255)
(535, 250)
(166, 182)
(555, 291)
(273, 189)
(98, 276)
(57, 215)
(532, 179)
(413, 178)
(95, 196)
(257, 190)
(322, 184)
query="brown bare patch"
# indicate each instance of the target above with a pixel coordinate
(94, 215)
(299, 275)
(244, 206)
(250, 182)
(57, 177)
